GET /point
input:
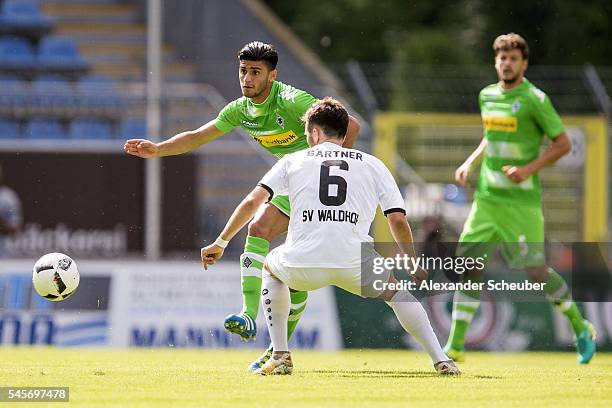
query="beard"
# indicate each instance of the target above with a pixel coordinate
(511, 80)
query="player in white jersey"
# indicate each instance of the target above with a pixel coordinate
(334, 193)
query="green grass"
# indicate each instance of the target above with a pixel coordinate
(197, 378)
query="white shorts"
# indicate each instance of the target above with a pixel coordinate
(313, 278)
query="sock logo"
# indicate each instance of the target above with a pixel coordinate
(247, 262)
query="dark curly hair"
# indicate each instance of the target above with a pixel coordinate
(330, 116)
(259, 51)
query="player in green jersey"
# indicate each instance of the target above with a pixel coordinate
(271, 113)
(516, 115)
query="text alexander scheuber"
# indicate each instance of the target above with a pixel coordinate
(457, 264)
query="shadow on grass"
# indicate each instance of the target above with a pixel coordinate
(376, 373)
(393, 374)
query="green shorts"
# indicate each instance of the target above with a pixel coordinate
(519, 228)
(282, 203)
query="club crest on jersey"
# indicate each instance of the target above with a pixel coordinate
(280, 121)
(516, 106)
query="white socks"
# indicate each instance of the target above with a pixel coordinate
(414, 320)
(275, 300)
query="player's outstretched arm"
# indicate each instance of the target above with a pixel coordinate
(181, 143)
(351, 132)
(242, 215)
(402, 234)
(463, 172)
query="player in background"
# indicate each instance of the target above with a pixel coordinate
(334, 193)
(11, 217)
(271, 113)
(507, 207)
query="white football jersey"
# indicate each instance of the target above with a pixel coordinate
(333, 193)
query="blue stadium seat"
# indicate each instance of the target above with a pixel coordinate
(133, 128)
(9, 129)
(52, 91)
(44, 129)
(23, 14)
(14, 92)
(16, 53)
(99, 91)
(60, 53)
(90, 129)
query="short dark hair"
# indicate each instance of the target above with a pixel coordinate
(330, 116)
(511, 41)
(259, 51)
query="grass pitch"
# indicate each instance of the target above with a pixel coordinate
(374, 378)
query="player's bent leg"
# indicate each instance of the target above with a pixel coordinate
(406, 307)
(558, 293)
(275, 296)
(477, 240)
(298, 298)
(466, 303)
(268, 223)
(465, 306)
(414, 320)
(298, 304)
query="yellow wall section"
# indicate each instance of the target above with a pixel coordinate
(595, 208)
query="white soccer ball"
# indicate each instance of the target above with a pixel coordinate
(55, 276)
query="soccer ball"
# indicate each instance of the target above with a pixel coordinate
(55, 276)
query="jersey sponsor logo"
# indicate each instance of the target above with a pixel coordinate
(499, 124)
(281, 139)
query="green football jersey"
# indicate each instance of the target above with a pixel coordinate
(514, 123)
(276, 124)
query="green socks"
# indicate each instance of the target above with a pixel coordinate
(298, 304)
(251, 264)
(465, 305)
(558, 294)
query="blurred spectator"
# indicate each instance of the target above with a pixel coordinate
(10, 213)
